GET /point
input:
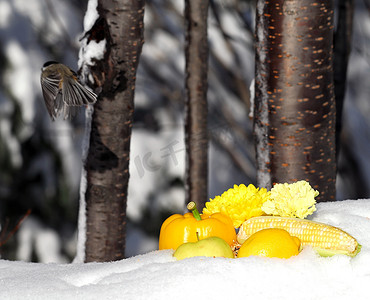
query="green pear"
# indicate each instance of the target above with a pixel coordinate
(212, 247)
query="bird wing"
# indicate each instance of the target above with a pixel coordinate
(50, 91)
(75, 94)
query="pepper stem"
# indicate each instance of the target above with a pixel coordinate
(193, 208)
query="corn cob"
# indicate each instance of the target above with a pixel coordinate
(325, 239)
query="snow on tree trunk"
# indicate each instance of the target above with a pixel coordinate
(196, 52)
(294, 112)
(120, 24)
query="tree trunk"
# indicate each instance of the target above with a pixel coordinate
(107, 165)
(196, 52)
(294, 113)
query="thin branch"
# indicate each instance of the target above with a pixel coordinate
(13, 231)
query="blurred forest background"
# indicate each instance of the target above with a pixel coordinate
(40, 160)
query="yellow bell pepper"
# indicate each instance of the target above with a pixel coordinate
(192, 227)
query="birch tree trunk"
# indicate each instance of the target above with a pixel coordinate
(120, 23)
(294, 115)
(196, 137)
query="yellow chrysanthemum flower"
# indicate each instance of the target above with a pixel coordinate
(239, 203)
(295, 200)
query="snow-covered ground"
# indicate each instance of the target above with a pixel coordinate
(157, 275)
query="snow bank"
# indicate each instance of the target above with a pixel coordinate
(157, 275)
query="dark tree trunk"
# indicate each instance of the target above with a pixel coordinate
(294, 102)
(107, 164)
(196, 12)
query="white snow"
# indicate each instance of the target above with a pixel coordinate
(90, 50)
(157, 275)
(81, 236)
(91, 15)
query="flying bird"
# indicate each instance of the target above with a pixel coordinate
(63, 91)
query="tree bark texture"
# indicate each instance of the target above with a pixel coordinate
(196, 137)
(294, 114)
(107, 165)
